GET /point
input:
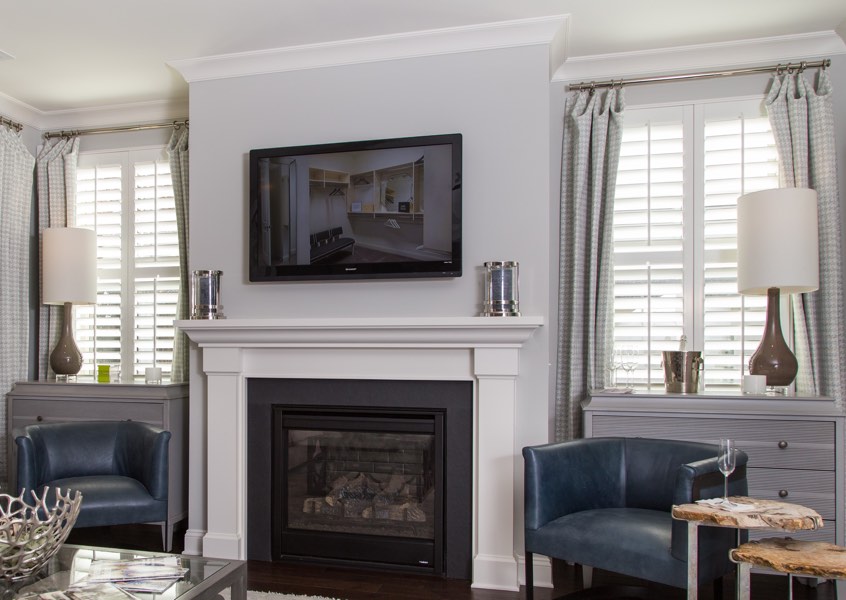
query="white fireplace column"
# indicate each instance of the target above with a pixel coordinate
(485, 350)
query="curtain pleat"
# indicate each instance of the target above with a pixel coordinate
(178, 151)
(802, 119)
(55, 170)
(16, 176)
(591, 153)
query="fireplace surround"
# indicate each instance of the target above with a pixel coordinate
(482, 350)
(321, 440)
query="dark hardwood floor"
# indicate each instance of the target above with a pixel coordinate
(362, 584)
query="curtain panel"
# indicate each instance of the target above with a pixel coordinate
(55, 169)
(178, 151)
(591, 153)
(802, 118)
(16, 176)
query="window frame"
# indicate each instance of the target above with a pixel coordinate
(127, 158)
(693, 116)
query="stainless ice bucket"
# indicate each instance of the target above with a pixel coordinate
(682, 370)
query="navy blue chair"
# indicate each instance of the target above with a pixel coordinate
(120, 467)
(605, 503)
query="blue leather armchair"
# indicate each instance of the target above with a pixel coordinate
(605, 503)
(121, 468)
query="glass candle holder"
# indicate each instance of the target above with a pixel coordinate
(502, 296)
(205, 295)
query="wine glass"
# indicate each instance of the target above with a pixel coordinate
(726, 463)
(629, 364)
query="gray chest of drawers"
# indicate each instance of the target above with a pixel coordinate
(165, 406)
(795, 445)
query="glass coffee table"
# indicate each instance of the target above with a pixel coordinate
(205, 580)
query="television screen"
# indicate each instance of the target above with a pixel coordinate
(356, 210)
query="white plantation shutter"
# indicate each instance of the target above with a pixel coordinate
(681, 171)
(649, 236)
(739, 156)
(156, 267)
(97, 329)
(127, 198)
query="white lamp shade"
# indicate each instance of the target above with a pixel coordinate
(777, 241)
(69, 266)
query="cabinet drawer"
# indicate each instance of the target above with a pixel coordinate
(814, 489)
(784, 444)
(826, 534)
(53, 411)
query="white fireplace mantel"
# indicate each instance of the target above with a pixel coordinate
(484, 350)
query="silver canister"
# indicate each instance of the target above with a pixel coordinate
(682, 370)
(205, 295)
(502, 294)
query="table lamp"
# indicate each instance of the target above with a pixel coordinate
(69, 276)
(777, 251)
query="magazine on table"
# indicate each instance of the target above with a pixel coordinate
(98, 591)
(160, 567)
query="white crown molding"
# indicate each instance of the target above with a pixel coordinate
(503, 34)
(701, 57)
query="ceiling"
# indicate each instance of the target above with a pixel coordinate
(68, 56)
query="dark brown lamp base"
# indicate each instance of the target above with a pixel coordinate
(773, 357)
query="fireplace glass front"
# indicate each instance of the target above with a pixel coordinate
(358, 485)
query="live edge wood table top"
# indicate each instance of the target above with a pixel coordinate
(757, 514)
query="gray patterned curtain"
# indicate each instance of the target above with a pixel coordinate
(55, 169)
(178, 150)
(591, 153)
(802, 119)
(16, 173)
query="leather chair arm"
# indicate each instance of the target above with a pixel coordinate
(29, 467)
(564, 478)
(146, 458)
(702, 479)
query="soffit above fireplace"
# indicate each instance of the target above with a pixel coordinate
(455, 332)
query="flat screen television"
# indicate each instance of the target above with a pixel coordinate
(370, 209)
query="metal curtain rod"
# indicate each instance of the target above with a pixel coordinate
(13, 124)
(74, 132)
(789, 67)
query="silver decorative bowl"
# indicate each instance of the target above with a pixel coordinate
(30, 534)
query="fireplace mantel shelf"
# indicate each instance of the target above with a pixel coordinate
(363, 332)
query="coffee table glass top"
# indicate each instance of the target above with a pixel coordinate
(72, 563)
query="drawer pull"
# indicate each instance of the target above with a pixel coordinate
(783, 493)
(39, 418)
(782, 444)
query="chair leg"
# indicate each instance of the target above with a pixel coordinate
(718, 588)
(167, 535)
(587, 577)
(530, 580)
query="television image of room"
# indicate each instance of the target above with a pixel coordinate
(367, 206)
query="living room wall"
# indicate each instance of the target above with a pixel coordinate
(497, 99)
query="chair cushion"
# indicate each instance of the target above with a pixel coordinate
(631, 541)
(112, 500)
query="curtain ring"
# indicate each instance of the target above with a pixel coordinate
(802, 66)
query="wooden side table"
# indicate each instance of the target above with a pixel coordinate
(763, 514)
(794, 557)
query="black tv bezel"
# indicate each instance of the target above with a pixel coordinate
(355, 271)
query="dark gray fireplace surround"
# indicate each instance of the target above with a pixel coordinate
(452, 399)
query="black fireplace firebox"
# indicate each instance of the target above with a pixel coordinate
(359, 484)
(376, 473)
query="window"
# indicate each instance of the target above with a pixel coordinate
(127, 199)
(675, 273)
